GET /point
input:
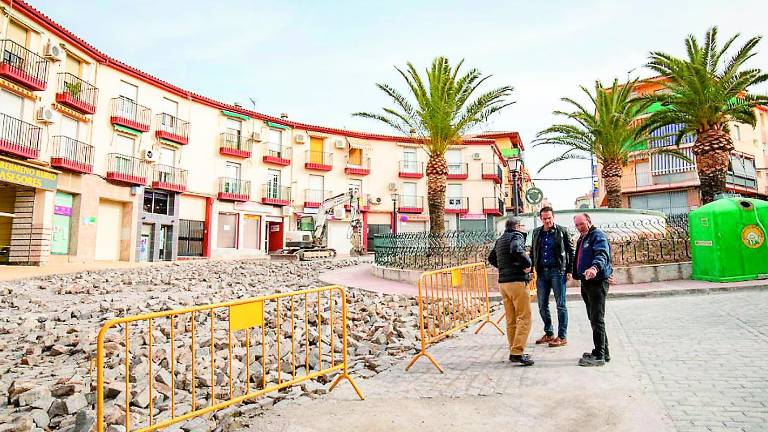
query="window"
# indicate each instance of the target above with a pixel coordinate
(642, 174)
(453, 157)
(17, 33)
(124, 149)
(129, 91)
(355, 156)
(11, 104)
(666, 202)
(736, 133)
(408, 199)
(273, 184)
(170, 113)
(356, 185)
(315, 193)
(742, 172)
(232, 181)
(454, 196)
(158, 203)
(72, 65)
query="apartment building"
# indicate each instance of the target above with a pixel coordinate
(671, 185)
(101, 161)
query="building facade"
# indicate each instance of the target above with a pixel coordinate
(101, 161)
(671, 185)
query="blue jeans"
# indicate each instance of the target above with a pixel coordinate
(552, 280)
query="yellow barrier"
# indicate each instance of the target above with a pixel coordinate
(242, 318)
(449, 300)
(531, 292)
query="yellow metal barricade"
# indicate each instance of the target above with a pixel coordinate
(220, 343)
(531, 292)
(451, 299)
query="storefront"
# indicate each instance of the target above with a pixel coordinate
(159, 218)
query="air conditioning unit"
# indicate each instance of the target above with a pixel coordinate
(339, 212)
(339, 144)
(256, 136)
(54, 52)
(374, 200)
(300, 138)
(149, 155)
(392, 186)
(476, 156)
(46, 114)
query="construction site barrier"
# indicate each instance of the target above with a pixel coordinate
(450, 300)
(531, 292)
(268, 331)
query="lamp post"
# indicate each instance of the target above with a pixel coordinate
(394, 197)
(514, 164)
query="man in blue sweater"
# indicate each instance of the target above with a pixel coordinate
(592, 266)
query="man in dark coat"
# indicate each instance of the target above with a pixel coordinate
(508, 255)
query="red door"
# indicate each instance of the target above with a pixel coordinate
(275, 239)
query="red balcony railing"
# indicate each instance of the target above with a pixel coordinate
(458, 171)
(492, 171)
(277, 154)
(126, 169)
(493, 206)
(166, 177)
(318, 161)
(411, 169)
(19, 138)
(457, 205)
(275, 195)
(23, 66)
(172, 128)
(234, 189)
(314, 197)
(362, 168)
(76, 93)
(236, 145)
(128, 113)
(71, 154)
(410, 204)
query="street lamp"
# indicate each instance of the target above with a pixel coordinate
(394, 197)
(514, 164)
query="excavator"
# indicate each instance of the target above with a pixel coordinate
(310, 241)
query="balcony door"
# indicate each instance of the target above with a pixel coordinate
(274, 142)
(234, 134)
(232, 184)
(126, 107)
(273, 184)
(166, 162)
(316, 147)
(409, 161)
(124, 149)
(69, 130)
(453, 157)
(316, 188)
(454, 196)
(12, 106)
(170, 114)
(409, 195)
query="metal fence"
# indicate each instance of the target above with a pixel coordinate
(632, 243)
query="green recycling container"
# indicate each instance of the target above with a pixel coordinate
(728, 240)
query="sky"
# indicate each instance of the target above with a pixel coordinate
(319, 61)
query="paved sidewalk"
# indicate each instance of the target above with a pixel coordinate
(360, 277)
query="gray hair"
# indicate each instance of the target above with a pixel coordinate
(512, 223)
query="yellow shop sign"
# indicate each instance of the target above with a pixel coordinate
(26, 175)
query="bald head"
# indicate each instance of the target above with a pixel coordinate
(583, 222)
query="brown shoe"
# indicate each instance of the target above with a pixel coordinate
(545, 339)
(557, 342)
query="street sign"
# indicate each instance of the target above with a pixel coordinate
(534, 195)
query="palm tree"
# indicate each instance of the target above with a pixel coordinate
(442, 111)
(609, 130)
(704, 92)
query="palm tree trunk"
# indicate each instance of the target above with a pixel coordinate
(712, 150)
(612, 173)
(437, 170)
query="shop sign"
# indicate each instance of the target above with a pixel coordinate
(27, 176)
(473, 216)
(252, 207)
(413, 218)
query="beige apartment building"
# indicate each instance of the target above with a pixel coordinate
(101, 161)
(671, 185)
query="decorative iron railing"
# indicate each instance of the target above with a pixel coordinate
(632, 243)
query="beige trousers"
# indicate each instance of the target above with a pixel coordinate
(517, 305)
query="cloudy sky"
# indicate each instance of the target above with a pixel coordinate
(318, 60)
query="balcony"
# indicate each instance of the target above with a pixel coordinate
(234, 189)
(314, 197)
(166, 177)
(492, 171)
(172, 129)
(23, 66)
(411, 169)
(235, 145)
(277, 154)
(457, 205)
(318, 161)
(72, 155)
(275, 195)
(76, 93)
(410, 204)
(493, 206)
(364, 203)
(19, 138)
(126, 169)
(360, 167)
(458, 171)
(125, 112)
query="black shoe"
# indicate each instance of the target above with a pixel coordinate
(591, 361)
(589, 354)
(523, 359)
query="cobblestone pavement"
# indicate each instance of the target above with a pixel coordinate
(687, 363)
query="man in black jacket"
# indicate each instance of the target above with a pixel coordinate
(508, 255)
(552, 255)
